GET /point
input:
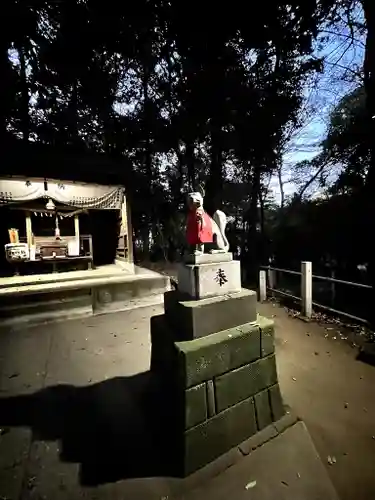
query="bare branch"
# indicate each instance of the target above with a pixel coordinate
(343, 35)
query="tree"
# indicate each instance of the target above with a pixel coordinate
(180, 105)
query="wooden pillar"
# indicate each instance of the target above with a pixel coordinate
(29, 230)
(129, 230)
(124, 230)
(76, 232)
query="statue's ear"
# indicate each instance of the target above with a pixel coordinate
(201, 190)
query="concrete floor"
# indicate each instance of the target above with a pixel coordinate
(75, 377)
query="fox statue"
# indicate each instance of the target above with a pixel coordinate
(201, 228)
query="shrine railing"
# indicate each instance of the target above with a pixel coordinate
(307, 284)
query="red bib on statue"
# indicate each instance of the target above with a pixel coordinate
(199, 228)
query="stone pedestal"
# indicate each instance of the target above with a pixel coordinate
(208, 258)
(191, 319)
(209, 275)
(216, 357)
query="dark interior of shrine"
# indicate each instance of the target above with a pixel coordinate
(103, 225)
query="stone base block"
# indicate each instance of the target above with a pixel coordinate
(210, 280)
(207, 441)
(192, 319)
(224, 387)
(208, 258)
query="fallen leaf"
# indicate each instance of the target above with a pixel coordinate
(31, 482)
(294, 378)
(14, 375)
(250, 485)
(346, 405)
(316, 353)
(331, 460)
(284, 483)
(298, 475)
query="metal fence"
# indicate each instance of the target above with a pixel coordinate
(345, 298)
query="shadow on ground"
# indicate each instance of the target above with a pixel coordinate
(116, 429)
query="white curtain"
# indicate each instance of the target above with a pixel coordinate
(73, 194)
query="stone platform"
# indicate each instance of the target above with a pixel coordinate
(216, 357)
(224, 386)
(34, 300)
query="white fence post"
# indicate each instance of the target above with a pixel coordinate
(306, 289)
(262, 286)
(271, 279)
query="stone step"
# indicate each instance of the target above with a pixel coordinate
(52, 278)
(48, 302)
(38, 317)
(287, 466)
(51, 287)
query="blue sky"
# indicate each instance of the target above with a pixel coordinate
(342, 59)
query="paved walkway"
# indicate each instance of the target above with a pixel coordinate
(54, 439)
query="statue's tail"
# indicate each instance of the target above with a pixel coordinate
(221, 220)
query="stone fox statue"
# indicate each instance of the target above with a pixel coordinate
(202, 229)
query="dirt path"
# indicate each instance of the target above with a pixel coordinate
(334, 394)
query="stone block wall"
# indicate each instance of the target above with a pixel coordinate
(113, 296)
(226, 385)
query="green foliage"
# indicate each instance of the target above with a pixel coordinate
(180, 97)
(345, 145)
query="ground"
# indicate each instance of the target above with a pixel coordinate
(75, 377)
(333, 393)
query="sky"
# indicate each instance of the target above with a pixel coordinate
(342, 58)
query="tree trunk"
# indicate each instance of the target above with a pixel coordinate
(73, 115)
(149, 206)
(6, 84)
(24, 108)
(252, 240)
(369, 198)
(146, 126)
(214, 194)
(281, 185)
(190, 164)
